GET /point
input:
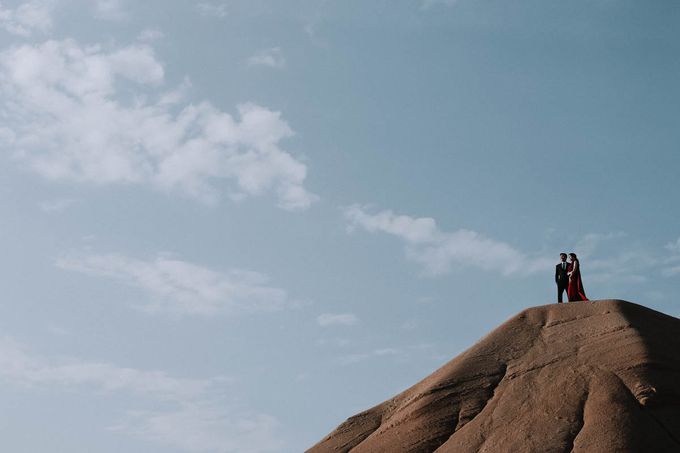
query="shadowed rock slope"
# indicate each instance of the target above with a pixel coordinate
(581, 377)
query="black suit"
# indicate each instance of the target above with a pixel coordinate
(562, 280)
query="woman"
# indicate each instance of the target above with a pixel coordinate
(575, 291)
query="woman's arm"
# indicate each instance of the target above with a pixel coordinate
(574, 268)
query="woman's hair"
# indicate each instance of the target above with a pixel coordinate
(573, 255)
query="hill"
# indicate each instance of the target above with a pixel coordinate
(575, 377)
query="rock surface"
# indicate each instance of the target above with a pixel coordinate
(575, 377)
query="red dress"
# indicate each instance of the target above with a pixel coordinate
(575, 291)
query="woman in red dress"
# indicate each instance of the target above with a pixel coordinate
(575, 290)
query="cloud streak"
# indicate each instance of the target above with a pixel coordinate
(349, 359)
(110, 10)
(90, 115)
(212, 9)
(604, 258)
(427, 4)
(183, 288)
(196, 418)
(271, 58)
(337, 319)
(440, 251)
(27, 18)
(672, 262)
(58, 205)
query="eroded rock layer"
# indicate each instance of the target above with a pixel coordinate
(578, 377)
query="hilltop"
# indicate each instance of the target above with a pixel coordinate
(581, 377)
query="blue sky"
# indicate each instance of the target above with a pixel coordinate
(228, 226)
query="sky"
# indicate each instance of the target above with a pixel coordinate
(227, 226)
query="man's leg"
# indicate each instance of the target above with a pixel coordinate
(560, 290)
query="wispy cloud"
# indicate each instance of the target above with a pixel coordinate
(614, 258)
(271, 58)
(196, 416)
(337, 319)
(27, 18)
(58, 205)
(631, 266)
(338, 342)
(57, 330)
(674, 246)
(150, 35)
(183, 288)
(66, 116)
(439, 251)
(349, 359)
(110, 10)
(18, 365)
(206, 427)
(589, 243)
(606, 259)
(672, 262)
(212, 9)
(402, 354)
(314, 21)
(427, 4)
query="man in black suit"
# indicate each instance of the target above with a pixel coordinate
(561, 277)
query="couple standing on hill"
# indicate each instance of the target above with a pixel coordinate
(568, 278)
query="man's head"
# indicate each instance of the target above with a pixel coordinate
(563, 257)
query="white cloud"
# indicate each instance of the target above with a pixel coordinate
(411, 324)
(27, 18)
(334, 342)
(427, 4)
(196, 418)
(58, 205)
(150, 35)
(110, 9)
(205, 427)
(272, 58)
(386, 351)
(671, 271)
(337, 319)
(183, 288)
(58, 330)
(671, 267)
(349, 359)
(16, 364)
(438, 251)
(303, 377)
(402, 354)
(674, 246)
(587, 245)
(212, 9)
(612, 258)
(630, 266)
(85, 114)
(604, 257)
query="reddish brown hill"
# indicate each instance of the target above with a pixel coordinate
(581, 377)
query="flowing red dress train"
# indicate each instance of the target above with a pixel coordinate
(575, 291)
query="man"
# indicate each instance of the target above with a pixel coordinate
(561, 277)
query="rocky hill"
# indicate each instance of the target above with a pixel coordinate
(576, 377)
